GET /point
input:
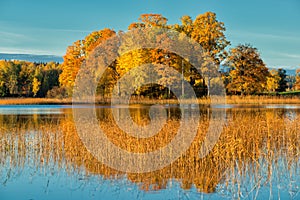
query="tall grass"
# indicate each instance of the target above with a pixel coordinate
(144, 100)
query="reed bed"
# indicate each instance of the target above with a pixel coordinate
(263, 99)
(29, 101)
(144, 100)
(256, 149)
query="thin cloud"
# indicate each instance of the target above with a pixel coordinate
(63, 30)
(281, 36)
(25, 51)
(13, 38)
(296, 56)
(282, 67)
(73, 30)
(10, 34)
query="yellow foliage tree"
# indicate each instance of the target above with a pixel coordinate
(77, 53)
(273, 80)
(297, 84)
(35, 86)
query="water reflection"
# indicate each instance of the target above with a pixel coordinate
(257, 154)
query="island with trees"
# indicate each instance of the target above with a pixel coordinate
(242, 69)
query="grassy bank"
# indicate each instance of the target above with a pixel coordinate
(23, 101)
(256, 100)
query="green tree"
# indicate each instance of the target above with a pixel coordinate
(3, 74)
(283, 81)
(50, 77)
(12, 71)
(291, 80)
(26, 76)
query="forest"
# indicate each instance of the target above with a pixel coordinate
(241, 67)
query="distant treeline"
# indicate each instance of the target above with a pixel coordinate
(31, 57)
(28, 79)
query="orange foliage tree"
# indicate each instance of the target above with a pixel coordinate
(249, 73)
(77, 53)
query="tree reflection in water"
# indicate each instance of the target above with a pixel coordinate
(257, 148)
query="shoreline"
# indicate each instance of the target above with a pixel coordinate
(251, 100)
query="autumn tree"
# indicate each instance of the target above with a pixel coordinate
(205, 29)
(10, 80)
(35, 85)
(249, 73)
(26, 78)
(91, 41)
(273, 81)
(157, 55)
(148, 21)
(50, 78)
(3, 72)
(277, 80)
(209, 33)
(290, 81)
(161, 56)
(77, 53)
(72, 61)
(297, 83)
(186, 26)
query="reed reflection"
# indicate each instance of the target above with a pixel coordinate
(256, 147)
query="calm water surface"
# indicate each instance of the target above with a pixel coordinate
(256, 157)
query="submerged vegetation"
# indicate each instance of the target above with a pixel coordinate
(258, 148)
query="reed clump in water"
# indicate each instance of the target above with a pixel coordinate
(255, 148)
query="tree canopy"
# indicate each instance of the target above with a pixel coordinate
(27, 79)
(248, 73)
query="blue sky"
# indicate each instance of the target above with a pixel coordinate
(48, 27)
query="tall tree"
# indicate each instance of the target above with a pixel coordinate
(91, 41)
(3, 72)
(297, 83)
(282, 82)
(77, 53)
(273, 81)
(12, 77)
(209, 33)
(149, 20)
(72, 62)
(50, 74)
(26, 78)
(249, 73)
(37, 80)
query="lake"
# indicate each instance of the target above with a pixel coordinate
(43, 155)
